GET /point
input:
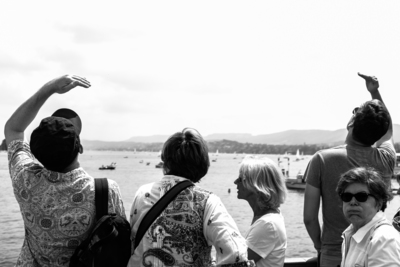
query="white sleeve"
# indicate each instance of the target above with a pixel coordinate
(262, 238)
(221, 231)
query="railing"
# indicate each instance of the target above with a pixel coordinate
(301, 262)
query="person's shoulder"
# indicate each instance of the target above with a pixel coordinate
(333, 150)
(198, 189)
(112, 183)
(386, 233)
(387, 146)
(18, 145)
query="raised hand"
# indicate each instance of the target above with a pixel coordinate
(65, 83)
(371, 82)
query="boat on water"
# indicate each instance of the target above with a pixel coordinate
(296, 183)
(112, 166)
(148, 163)
(160, 164)
(298, 158)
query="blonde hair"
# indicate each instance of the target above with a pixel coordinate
(262, 176)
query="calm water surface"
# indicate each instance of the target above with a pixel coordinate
(130, 174)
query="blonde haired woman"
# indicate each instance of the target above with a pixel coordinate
(262, 185)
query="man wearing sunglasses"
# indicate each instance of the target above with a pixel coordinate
(369, 124)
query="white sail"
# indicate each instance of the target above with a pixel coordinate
(298, 155)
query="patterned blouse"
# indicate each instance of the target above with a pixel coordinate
(185, 231)
(57, 208)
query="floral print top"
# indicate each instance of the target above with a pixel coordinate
(58, 209)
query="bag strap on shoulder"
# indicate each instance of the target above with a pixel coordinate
(157, 208)
(101, 197)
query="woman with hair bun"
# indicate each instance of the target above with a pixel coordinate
(262, 185)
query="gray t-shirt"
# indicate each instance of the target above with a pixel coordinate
(324, 171)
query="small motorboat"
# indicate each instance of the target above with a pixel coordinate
(112, 166)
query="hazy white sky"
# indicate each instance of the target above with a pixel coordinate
(219, 66)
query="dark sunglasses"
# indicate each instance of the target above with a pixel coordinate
(355, 110)
(238, 180)
(360, 197)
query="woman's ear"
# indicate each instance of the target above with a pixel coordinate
(80, 149)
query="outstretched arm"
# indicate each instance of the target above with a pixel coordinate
(26, 113)
(372, 86)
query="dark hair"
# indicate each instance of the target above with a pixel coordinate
(185, 154)
(371, 122)
(372, 179)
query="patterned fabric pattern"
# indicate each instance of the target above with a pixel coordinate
(177, 234)
(57, 208)
(186, 230)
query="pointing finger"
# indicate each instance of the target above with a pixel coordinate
(363, 76)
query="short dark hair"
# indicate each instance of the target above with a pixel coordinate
(185, 154)
(372, 179)
(371, 122)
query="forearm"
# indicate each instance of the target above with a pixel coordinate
(376, 95)
(25, 114)
(314, 231)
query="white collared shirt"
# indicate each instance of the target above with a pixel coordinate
(372, 245)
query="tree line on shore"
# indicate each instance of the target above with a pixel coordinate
(223, 146)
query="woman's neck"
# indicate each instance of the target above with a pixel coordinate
(259, 212)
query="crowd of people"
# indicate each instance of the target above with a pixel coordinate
(57, 197)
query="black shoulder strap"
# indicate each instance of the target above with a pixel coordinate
(157, 208)
(101, 197)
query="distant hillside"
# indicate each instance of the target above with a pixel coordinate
(290, 137)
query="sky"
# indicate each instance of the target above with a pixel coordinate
(157, 67)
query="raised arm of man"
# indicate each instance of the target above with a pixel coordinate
(26, 113)
(372, 86)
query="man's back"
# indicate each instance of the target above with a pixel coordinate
(324, 172)
(58, 209)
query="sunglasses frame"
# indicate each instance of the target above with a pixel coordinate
(356, 196)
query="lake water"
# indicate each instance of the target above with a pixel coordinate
(130, 174)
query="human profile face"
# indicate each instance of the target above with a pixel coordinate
(356, 212)
(242, 191)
